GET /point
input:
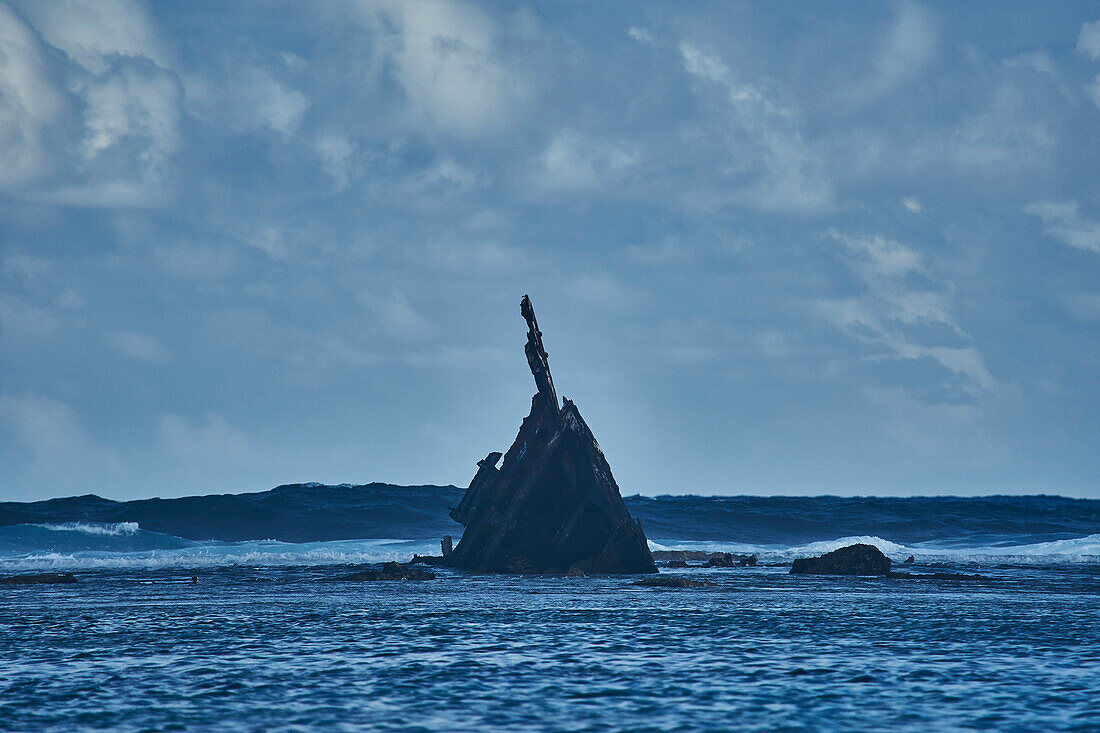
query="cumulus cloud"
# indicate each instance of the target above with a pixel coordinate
(247, 100)
(1088, 40)
(335, 151)
(901, 314)
(115, 94)
(269, 240)
(91, 32)
(574, 162)
(477, 255)
(29, 102)
(639, 34)
(396, 316)
(911, 204)
(902, 55)
(1063, 221)
(770, 165)
(211, 440)
(1084, 307)
(1093, 90)
(599, 290)
(446, 58)
(59, 451)
(138, 346)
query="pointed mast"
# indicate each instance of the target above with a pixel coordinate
(536, 354)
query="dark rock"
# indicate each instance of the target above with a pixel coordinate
(672, 581)
(696, 555)
(937, 576)
(38, 579)
(677, 563)
(729, 560)
(392, 571)
(851, 560)
(910, 560)
(435, 560)
(721, 560)
(446, 545)
(553, 504)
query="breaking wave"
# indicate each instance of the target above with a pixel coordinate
(222, 554)
(94, 528)
(1076, 550)
(316, 524)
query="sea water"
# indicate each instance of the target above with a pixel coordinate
(271, 637)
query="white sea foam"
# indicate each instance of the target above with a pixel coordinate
(114, 529)
(1080, 549)
(253, 553)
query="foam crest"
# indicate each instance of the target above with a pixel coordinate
(93, 528)
(253, 553)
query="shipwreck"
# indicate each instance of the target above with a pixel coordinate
(553, 505)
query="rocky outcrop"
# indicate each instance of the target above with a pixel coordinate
(729, 560)
(680, 558)
(672, 581)
(39, 578)
(851, 560)
(552, 506)
(392, 571)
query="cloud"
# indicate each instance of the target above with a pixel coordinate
(61, 453)
(445, 58)
(1062, 221)
(269, 240)
(879, 259)
(397, 317)
(575, 163)
(335, 151)
(91, 32)
(1088, 40)
(212, 440)
(900, 315)
(473, 256)
(641, 35)
(138, 346)
(911, 204)
(28, 102)
(100, 131)
(599, 290)
(1093, 90)
(902, 55)
(769, 165)
(248, 100)
(274, 105)
(21, 318)
(463, 356)
(1084, 307)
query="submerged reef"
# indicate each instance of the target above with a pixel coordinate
(39, 579)
(553, 505)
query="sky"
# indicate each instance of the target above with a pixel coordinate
(774, 248)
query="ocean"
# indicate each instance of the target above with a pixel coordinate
(188, 631)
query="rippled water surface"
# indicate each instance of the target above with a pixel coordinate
(293, 647)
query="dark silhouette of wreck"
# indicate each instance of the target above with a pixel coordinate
(553, 505)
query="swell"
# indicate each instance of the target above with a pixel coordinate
(316, 513)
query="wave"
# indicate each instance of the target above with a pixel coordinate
(308, 521)
(93, 528)
(1075, 550)
(24, 539)
(262, 553)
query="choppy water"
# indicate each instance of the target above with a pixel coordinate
(255, 648)
(270, 638)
